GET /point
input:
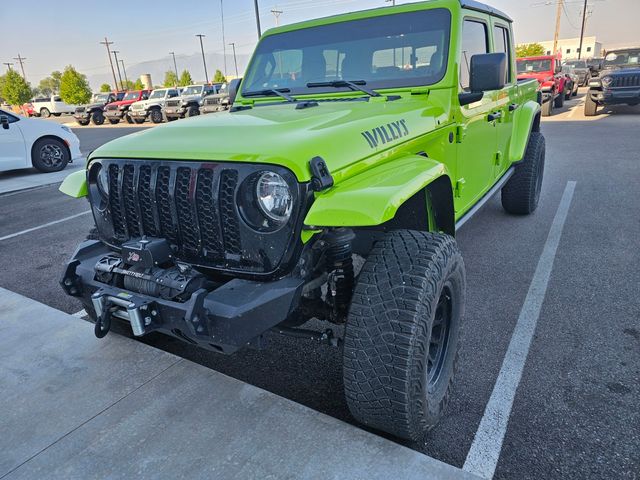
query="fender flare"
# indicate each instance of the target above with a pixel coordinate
(75, 184)
(374, 197)
(526, 120)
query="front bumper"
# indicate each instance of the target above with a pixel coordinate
(616, 96)
(174, 112)
(114, 114)
(82, 115)
(137, 113)
(234, 315)
(546, 95)
(212, 109)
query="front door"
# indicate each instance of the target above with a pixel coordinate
(12, 149)
(477, 132)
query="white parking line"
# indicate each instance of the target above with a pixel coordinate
(33, 229)
(484, 454)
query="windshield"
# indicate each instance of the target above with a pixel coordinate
(626, 57)
(157, 94)
(577, 64)
(195, 90)
(534, 66)
(101, 97)
(131, 96)
(401, 50)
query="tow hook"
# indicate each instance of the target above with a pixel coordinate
(103, 323)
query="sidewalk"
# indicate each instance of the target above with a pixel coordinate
(15, 180)
(78, 407)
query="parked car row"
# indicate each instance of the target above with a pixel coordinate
(157, 106)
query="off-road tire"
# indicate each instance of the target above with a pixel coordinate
(521, 194)
(45, 113)
(114, 121)
(192, 112)
(49, 155)
(155, 115)
(398, 295)
(128, 119)
(568, 93)
(590, 107)
(558, 102)
(84, 123)
(97, 118)
(138, 121)
(547, 108)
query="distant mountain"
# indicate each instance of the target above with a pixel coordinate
(157, 68)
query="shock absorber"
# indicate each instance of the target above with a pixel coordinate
(341, 277)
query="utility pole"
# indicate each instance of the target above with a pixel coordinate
(106, 43)
(115, 54)
(206, 75)
(393, 2)
(584, 21)
(235, 60)
(8, 65)
(21, 59)
(557, 34)
(277, 13)
(255, 4)
(175, 67)
(124, 72)
(224, 42)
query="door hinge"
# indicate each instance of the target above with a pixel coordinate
(459, 187)
(461, 132)
(499, 157)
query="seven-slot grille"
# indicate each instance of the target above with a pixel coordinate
(173, 103)
(620, 81)
(111, 107)
(212, 101)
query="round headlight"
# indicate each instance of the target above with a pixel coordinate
(103, 181)
(606, 81)
(274, 197)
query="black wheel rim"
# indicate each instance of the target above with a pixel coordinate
(439, 340)
(52, 155)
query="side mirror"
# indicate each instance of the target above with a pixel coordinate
(234, 86)
(488, 72)
(4, 121)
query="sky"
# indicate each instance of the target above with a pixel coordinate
(55, 33)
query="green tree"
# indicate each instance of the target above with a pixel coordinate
(15, 90)
(219, 77)
(105, 87)
(185, 78)
(138, 85)
(529, 50)
(74, 87)
(170, 79)
(50, 85)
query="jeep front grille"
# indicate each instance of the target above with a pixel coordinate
(621, 81)
(173, 103)
(194, 206)
(111, 107)
(212, 101)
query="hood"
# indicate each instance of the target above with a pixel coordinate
(542, 77)
(621, 70)
(123, 102)
(341, 132)
(188, 98)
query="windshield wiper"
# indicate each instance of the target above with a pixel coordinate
(353, 85)
(280, 92)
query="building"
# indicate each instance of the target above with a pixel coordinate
(569, 48)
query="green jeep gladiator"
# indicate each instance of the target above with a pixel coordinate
(333, 188)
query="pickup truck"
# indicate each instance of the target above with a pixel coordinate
(222, 230)
(547, 70)
(188, 104)
(151, 108)
(47, 106)
(116, 111)
(618, 83)
(95, 110)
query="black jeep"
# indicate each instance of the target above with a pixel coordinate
(618, 83)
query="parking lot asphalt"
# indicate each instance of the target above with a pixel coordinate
(575, 414)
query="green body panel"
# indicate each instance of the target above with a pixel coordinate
(75, 184)
(371, 181)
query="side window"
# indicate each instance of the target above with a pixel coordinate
(57, 99)
(502, 44)
(474, 42)
(145, 95)
(12, 118)
(172, 93)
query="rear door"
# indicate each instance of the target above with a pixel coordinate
(477, 133)
(506, 99)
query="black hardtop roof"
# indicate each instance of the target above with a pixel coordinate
(481, 7)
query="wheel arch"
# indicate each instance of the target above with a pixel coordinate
(527, 120)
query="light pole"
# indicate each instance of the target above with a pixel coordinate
(255, 4)
(175, 67)
(206, 75)
(124, 72)
(235, 60)
(106, 43)
(224, 42)
(115, 54)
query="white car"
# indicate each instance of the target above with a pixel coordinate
(26, 142)
(47, 106)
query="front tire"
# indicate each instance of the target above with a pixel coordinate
(547, 108)
(521, 194)
(192, 112)
(84, 123)
(114, 121)
(155, 115)
(138, 121)
(559, 100)
(590, 107)
(45, 113)
(128, 119)
(403, 333)
(49, 155)
(97, 118)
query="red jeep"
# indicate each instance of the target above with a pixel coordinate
(116, 111)
(553, 85)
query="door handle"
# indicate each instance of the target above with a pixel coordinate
(513, 106)
(494, 116)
